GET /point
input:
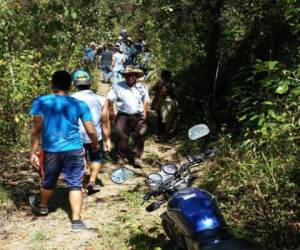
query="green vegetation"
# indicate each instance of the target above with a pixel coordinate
(38, 38)
(152, 159)
(4, 196)
(237, 67)
(40, 236)
(133, 198)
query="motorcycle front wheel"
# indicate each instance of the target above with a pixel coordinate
(172, 232)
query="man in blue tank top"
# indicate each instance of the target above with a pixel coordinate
(56, 125)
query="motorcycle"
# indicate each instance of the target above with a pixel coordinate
(193, 220)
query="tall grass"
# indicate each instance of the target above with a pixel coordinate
(257, 192)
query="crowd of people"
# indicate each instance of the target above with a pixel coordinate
(111, 59)
(74, 128)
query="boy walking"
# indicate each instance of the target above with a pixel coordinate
(56, 123)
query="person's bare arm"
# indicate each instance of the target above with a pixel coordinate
(106, 126)
(112, 63)
(36, 133)
(90, 130)
(162, 94)
(111, 112)
(145, 110)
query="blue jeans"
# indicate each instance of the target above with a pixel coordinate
(116, 77)
(106, 73)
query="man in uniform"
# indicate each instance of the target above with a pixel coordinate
(131, 99)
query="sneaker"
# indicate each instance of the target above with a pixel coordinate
(77, 226)
(34, 202)
(138, 162)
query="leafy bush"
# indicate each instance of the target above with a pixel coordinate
(257, 195)
(38, 38)
(268, 103)
(256, 179)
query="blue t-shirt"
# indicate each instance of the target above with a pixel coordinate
(89, 53)
(60, 121)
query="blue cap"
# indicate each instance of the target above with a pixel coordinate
(81, 77)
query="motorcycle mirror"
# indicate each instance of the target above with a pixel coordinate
(121, 175)
(198, 131)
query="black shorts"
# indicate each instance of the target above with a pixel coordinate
(94, 156)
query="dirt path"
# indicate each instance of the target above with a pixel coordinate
(115, 218)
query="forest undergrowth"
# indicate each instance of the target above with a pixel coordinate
(236, 67)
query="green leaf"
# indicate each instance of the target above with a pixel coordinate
(282, 89)
(246, 99)
(272, 64)
(272, 114)
(74, 15)
(261, 121)
(269, 103)
(267, 83)
(66, 13)
(298, 71)
(253, 117)
(242, 118)
(296, 91)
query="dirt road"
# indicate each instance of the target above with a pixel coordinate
(115, 218)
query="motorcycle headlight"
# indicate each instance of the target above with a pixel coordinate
(154, 181)
(169, 168)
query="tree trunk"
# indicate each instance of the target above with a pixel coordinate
(212, 16)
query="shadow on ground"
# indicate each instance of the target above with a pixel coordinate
(142, 241)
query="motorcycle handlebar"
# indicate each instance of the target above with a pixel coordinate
(148, 195)
(201, 157)
(192, 160)
(211, 152)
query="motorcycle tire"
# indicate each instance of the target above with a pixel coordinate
(190, 245)
(172, 232)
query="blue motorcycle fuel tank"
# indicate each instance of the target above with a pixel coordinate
(194, 210)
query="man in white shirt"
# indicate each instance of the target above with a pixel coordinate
(131, 99)
(98, 106)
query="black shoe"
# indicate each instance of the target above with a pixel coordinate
(91, 189)
(78, 226)
(34, 202)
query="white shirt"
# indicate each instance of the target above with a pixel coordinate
(119, 60)
(129, 100)
(95, 104)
